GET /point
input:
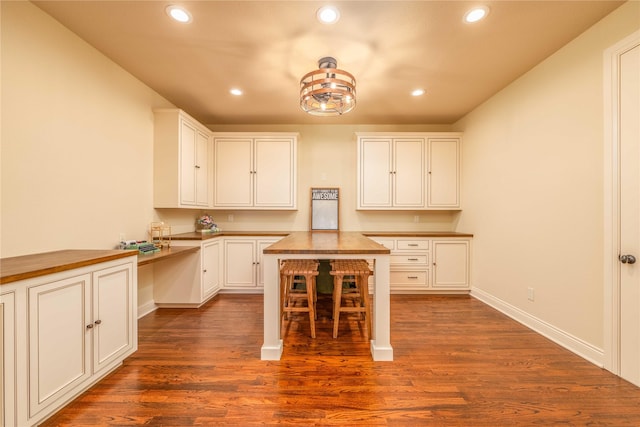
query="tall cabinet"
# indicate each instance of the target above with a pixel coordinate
(408, 171)
(255, 170)
(182, 166)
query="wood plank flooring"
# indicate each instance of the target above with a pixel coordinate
(457, 362)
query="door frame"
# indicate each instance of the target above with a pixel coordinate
(611, 312)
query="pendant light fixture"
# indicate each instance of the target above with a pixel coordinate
(327, 91)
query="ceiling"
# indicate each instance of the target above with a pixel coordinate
(265, 47)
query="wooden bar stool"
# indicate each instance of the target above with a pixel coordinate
(350, 270)
(298, 283)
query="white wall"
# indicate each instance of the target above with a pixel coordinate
(77, 135)
(533, 188)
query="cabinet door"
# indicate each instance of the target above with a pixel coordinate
(8, 336)
(187, 163)
(275, 170)
(261, 245)
(59, 339)
(408, 173)
(444, 173)
(202, 169)
(240, 263)
(233, 172)
(375, 173)
(451, 264)
(210, 269)
(113, 317)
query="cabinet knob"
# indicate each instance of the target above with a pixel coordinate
(97, 322)
(90, 326)
(627, 259)
(204, 271)
(197, 167)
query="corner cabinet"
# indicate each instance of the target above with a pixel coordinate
(181, 161)
(243, 263)
(408, 171)
(255, 170)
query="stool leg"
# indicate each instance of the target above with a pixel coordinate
(337, 300)
(308, 278)
(363, 288)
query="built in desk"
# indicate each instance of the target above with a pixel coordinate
(326, 245)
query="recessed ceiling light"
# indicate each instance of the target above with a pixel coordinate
(476, 14)
(178, 13)
(328, 15)
(417, 92)
(235, 91)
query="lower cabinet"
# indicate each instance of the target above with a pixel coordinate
(8, 336)
(79, 325)
(243, 263)
(191, 279)
(427, 264)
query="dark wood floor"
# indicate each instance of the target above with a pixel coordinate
(457, 363)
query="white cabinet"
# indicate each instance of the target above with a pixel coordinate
(62, 332)
(191, 280)
(243, 263)
(450, 264)
(423, 265)
(210, 269)
(408, 171)
(443, 173)
(8, 368)
(59, 312)
(255, 171)
(390, 173)
(181, 161)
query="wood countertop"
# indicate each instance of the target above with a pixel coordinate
(205, 236)
(323, 242)
(415, 234)
(27, 266)
(166, 253)
(196, 235)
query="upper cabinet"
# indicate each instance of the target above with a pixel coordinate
(255, 170)
(405, 171)
(181, 161)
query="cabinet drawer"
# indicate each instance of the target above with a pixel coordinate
(409, 279)
(420, 260)
(387, 243)
(413, 245)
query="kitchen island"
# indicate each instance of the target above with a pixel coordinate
(326, 245)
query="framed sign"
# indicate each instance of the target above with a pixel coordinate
(325, 209)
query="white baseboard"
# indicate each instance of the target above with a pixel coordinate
(146, 308)
(576, 345)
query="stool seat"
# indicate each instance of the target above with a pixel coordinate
(293, 274)
(352, 270)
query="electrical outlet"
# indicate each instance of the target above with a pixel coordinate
(416, 218)
(530, 294)
(230, 218)
(122, 237)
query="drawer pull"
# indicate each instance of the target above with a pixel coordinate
(412, 244)
(412, 259)
(412, 277)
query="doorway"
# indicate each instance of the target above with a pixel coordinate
(622, 209)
